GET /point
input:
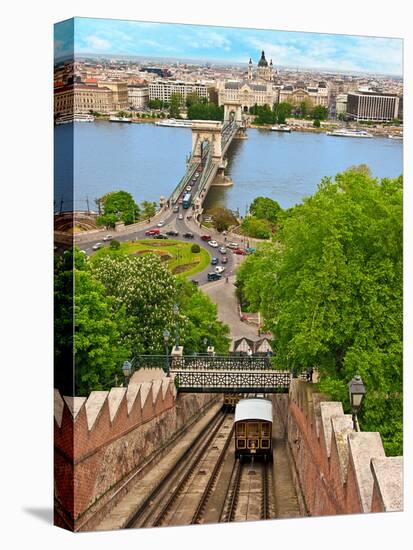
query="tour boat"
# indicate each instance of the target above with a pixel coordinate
(175, 123)
(395, 136)
(119, 119)
(280, 128)
(80, 117)
(350, 133)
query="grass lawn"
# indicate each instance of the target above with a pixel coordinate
(176, 254)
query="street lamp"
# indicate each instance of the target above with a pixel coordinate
(126, 369)
(176, 313)
(356, 393)
(206, 343)
(166, 335)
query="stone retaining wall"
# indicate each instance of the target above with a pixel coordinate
(338, 470)
(102, 441)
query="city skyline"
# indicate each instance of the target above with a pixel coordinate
(359, 54)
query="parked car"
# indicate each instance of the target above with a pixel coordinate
(180, 217)
(180, 201)
(251, 250)
(107, 237)
(240, 252)
(97, 246)
(222, 249)
(172, 233)
(213, 276)
(219, 269)
(214, 261)
(233, 245)
(188, 188)
(224, 260)
(160, 236)
(175, 209)
(206, 237)
(214, 244)
(161, 223)
(188, 235)
(153, 231)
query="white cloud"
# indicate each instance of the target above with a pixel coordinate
(96, 43)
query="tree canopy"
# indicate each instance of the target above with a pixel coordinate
(330, 290)
(118, 206)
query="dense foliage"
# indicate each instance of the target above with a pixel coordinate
(256, 228)
(122, 305)
(330, 290)
(202, 109)
(222, 218)
(263, 218)
(118, 206)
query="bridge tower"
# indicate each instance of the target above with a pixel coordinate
(233, 111)
(203, 132)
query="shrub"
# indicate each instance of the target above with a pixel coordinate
(114, 245)
(253, 227)
(195, 248)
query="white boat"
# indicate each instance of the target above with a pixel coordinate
(280, 128)
(350, 133)
(119, 119)
(84, 118)
(175, 123)
(395, 136)
(79, 117)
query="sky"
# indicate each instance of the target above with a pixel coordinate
(223, 44)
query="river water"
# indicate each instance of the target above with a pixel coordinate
(148, 161)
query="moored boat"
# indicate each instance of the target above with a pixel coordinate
(280, 128)
(350, 133)
(395, 136)
(175, 123)
(119, 119)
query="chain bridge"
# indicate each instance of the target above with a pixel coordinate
(222, 374)
(210, 142)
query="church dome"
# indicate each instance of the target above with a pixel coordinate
(262, 62)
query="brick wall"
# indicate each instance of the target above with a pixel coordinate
(338, 470)
(100, 442)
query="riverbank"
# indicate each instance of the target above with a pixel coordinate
(378, 131)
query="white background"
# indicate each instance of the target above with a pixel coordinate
(26, 271)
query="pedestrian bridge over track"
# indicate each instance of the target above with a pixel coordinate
(222, 374)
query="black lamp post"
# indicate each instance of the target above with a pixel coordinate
(166, 335)
(356, 393)
(126, 369)
(176, 313)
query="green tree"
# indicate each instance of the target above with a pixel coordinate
(195, 248)
(330, 291)
(148, 209)
(254, 227)
(283, 111)
(175, 105)
(316, 123)
(222, 218)
(114, 245)
(117, 206)
(320, 112)
(147, 291)
(99, 348)
(265, 208)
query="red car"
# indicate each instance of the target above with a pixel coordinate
(154, 231)
(206, 237)
(224, 260)
(239, 251)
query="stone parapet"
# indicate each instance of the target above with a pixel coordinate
(338, 470)
(101, 441)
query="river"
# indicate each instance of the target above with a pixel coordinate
(148, 161)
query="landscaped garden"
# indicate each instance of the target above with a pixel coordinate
(178, 255)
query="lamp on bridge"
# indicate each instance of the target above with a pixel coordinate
(126, 369)
(356, 392)
(166, 335)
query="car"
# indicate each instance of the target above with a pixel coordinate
(172, 233)
(196, 175)
(107, 237)
(219, 269)
(195, 282)
(180, 201)
(222, 249)
(188, 188)
(153, 231)
(188, 235)
(206, 237)
(240, 252)
(214, 244)
(233, 245)
(97, 246)
(213, 276)
(161, 223)
(180, 217)
(160, 236)
(224, 260)
(214, 261)
(175, 209)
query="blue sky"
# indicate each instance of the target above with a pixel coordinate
(296, 49)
